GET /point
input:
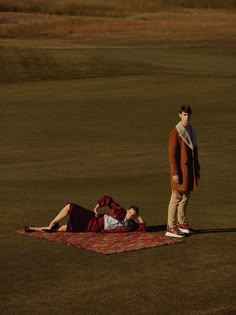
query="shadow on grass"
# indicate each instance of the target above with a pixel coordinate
(156, 228)
(224, 230)
(159, 228)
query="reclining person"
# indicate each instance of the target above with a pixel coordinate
(116, 219)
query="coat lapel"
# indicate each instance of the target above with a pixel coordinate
(183, 133)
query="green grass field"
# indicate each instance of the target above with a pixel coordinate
(80, 120)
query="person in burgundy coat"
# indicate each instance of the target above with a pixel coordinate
(184, 172)
(116, 219)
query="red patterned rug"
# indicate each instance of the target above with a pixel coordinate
(106, 243)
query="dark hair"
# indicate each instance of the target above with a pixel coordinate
(136, 209)
(186, 109)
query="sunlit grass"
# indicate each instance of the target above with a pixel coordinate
(89, 92)
(111, 7)
(75, 140)
(194, 27)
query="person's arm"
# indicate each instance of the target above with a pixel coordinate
(114, 207)
(105, 201)
(96, 210)
(102, 202)
(140, 220)
(142, 225)
(195, 154)
(197, 164)
(174, 156)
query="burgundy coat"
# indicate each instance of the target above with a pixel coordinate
(84, 220)
(183, 158)
(119, 213)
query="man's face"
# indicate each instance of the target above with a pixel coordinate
(185, 118)
(131, 214)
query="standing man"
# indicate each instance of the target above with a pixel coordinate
(184, 172)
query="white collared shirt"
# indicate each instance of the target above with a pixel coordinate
(111, 223)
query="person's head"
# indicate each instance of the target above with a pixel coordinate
(132, 212)
(185, 113)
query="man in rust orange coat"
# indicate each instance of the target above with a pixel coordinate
(184, 172)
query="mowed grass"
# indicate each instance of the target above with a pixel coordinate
(79, 139)
(85, 115)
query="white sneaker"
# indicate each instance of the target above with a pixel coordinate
(174, 232)
(184, 228)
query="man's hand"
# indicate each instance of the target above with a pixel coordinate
(96, 210)
(176, 179)
(140, 220)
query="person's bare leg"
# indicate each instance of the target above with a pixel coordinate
(62, 228)
(61, 215)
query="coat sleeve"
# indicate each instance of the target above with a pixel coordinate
(115, 208)
(174, 153)
(196, 163)
(105, 201)
(117, 212)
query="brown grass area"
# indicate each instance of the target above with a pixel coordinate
(108, 8)
(193, 25)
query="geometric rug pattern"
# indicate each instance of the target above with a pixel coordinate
(106, 243)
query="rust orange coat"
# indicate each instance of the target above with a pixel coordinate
(183, 161)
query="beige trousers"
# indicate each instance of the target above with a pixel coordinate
(177, 207)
